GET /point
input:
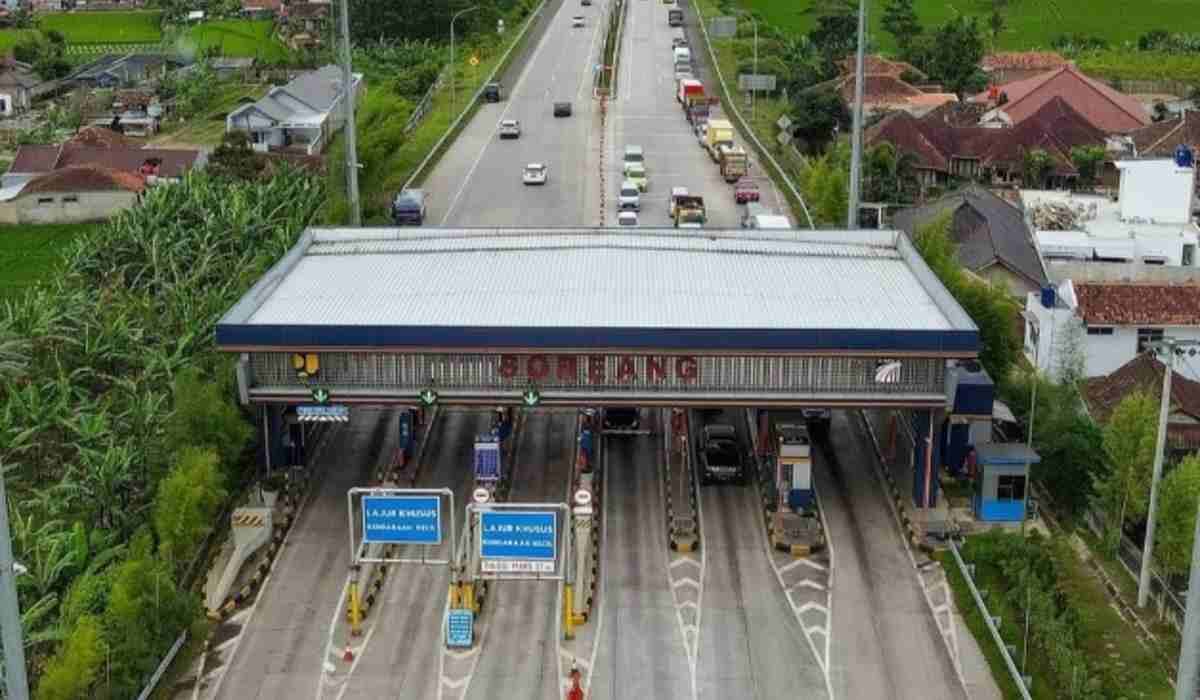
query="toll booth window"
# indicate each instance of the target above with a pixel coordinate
(1010, 488)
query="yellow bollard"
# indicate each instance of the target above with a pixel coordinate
(568, 617)
(355, 610)
(455, 598)
(468, 596)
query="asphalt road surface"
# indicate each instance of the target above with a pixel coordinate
(750, 643)
(401, 660)
(282, 645)
(520, 653)
(641, 652)
(646, 113)
(885, 641)
(478, 180)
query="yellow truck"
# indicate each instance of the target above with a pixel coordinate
(734, 162)
(720, 132)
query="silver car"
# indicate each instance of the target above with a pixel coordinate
(535, 174)
(510, 129)
(630, 197)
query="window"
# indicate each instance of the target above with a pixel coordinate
(1010, 488)
(1146, 336)
(1101, 330)
(45, 200)
(70, 199)
(1189, 255)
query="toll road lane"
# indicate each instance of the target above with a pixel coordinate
(641, 652)
(519, 656)
(647, 114)
(280, 652)
(750, 643)
(401, 660)
(885, 641)
(479, 180)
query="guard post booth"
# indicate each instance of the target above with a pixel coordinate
(1001, 479)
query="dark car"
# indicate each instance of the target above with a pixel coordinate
(491, 92)
(818, 420)
(562, 109)
(622, 418)
(408, 208)
(721, 460)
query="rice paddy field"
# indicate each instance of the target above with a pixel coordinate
(237, 38)
(105, 27)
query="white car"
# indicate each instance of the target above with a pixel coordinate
(577, 21)
(627, 218)
(510, 129)
(629, 196)
(535, 174)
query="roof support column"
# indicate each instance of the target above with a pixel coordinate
(927, 457)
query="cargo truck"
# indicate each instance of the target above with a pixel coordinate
(689, 211)
(720, 132)
(734, 162)
(688, 89)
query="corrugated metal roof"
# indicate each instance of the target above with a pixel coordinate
(593, 279)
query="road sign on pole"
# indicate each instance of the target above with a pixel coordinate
(518, 541)
(750, 81)
(402, 519)
(723, 27)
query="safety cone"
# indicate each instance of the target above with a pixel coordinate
(348, 655)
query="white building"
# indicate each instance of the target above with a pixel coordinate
(1104, 316)
(1150, 223)
(301, 116)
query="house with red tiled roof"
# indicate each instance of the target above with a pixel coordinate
(1009, 66)
(874, 64)
(94, 147)
(943, 150)
(1106, 109)
(888, 93)
(72, 194)
(1144, 373)
(1111, 317)
(1160, 139)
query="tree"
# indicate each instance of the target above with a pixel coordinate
(1129, 441)
(1177, 516)
(1088, 160)
(900, 20)
(72, 671)
(188, 502)
(1069, 358)
(204, 417)
(234, 158)
(824, 181)
(1036, 167)
(951, 55)
(995, 25)
(816, 114)
(835, 36)
(889, 175)
(1160, 111)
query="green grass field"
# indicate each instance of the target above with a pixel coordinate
(105, 27)
(1030, 23)
(30, 254)
(11, 37)
(238, 38)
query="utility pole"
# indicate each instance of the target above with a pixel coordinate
(348, 98)
(15, 682)
(1160, 447)
(1189, 654)
(856, 134)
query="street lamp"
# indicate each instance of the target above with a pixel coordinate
(453, 65)
(1032, 319)
(856, 134)
(753, 85)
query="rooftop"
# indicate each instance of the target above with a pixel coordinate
(1105, 108)
(1098, 217)
(84, 178)
(593, 288)
(114, 155)
(1145, 373)
(1106, 304)
(1023, 60)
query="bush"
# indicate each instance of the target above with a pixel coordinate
(71, 672)
(204, 417)
(187, 504)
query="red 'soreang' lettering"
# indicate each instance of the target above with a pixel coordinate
(596, 369)
(626, 370)
(538, 367)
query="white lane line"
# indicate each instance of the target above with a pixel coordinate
(508, 104)
(602, 586)
(809, 583)
(812, 606)
(682, 560)
(685, 581)
(262, 590)
(593, 56)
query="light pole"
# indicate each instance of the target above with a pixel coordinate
(753, 84)
(453, 65)
(351, 141)
(1029, 430)
(856, 135)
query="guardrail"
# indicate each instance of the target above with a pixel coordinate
(474, 101)
(988, 620)
(424, 105)
(743, 125)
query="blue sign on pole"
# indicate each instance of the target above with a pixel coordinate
(518, 541)
(460, 628)
(402, 519)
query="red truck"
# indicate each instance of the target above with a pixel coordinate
(746, 190)
(688, 91)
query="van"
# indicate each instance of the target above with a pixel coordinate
(630, 197)
(675, 17)
(408, 208)
(682, 54)
(634, 154)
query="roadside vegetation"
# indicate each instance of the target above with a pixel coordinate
(121, 430)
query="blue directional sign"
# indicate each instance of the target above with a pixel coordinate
(518, 541)
(402, 519)
(460, 628)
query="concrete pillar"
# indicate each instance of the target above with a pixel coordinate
(926, 458)
(277, 456)
(583, 557)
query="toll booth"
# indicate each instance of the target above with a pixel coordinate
(969, 421)
(1001, 477)
(794, 459)
(488, 461)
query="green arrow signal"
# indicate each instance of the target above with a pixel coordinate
(320, 395)
(531, 397)
(428, 397)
